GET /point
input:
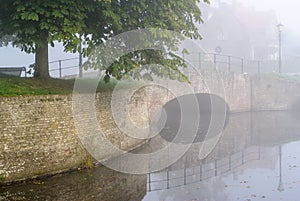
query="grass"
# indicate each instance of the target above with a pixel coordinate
(2, 178)
(89, 163)
(29, 86)
(292, 78)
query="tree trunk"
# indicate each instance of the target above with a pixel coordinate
(41, 69)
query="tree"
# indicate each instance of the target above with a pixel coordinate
(35, 23)
(175, 15)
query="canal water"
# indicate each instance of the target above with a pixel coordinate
(256, 158)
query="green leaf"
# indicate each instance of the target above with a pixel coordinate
(33, 22)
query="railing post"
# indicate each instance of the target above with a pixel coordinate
(229, 64)
(230, 163)
(215, 60)
(149, 176)
(184, 181)
(24, 68)
(258, 67)
(243, 157)
(216, 168)
(242, 67)
(168, 180)
(59, 63)
(200, 172)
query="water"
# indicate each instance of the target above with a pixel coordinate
(96, 184)
(257, 158)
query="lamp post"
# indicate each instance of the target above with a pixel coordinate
(280, 29)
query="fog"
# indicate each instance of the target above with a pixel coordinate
(248, 29)
(287, 11)
(242, 28)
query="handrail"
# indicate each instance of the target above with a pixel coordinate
(55, 61)
(223, 62)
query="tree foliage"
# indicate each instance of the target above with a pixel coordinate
(176, 15)
(35, 23)
(33, 20)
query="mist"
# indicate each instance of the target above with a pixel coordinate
(249, 29)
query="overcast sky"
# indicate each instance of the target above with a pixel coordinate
(15, 57)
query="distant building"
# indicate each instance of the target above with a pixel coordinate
(240, 31)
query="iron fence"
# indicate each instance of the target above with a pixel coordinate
(228, 63)
(199, 60)
(64, 67)
(190, 175)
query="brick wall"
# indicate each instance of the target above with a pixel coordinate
(38, 134)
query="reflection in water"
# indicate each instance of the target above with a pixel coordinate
(263, 176)
(257, 158)
(280, 186)
(196, 116)
(206, 170)
(96, 184)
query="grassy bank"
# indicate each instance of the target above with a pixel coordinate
(287, 77)
(31, 86)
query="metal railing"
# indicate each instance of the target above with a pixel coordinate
(177, 178)
(229, 63)
(198, 60)
(64, 67)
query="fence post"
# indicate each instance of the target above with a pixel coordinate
(168, 180)
(229, 64)
(243, 157)
(215, 60)
(184, 179)
(200, 172)
(242, 65)
(149, 180)
(216, 168)
(59, 63)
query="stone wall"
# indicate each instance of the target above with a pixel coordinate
(38, 134)
(272, 93)
(243, 93)
(235, 89)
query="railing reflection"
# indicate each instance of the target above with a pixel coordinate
(190, 175)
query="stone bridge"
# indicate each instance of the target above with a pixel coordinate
(39, 136)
